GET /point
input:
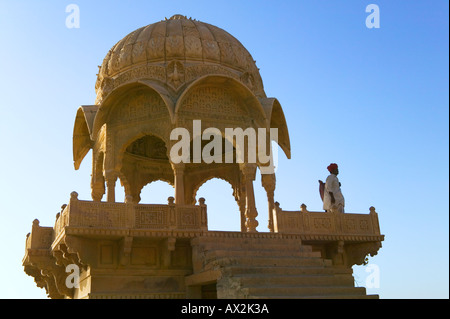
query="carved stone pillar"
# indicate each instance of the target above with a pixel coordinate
(242, 211)
(111, 179)
(248, 173)
(97, 179)
(97, 192)
(178, 172)
(97, 187)
(204, 216)
(268, 181)
(239, 196)
(133, 190)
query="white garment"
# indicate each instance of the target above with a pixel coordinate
(332, 185)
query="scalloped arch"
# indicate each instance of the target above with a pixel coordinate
(222, 80)
(110, 101)
(206, 179)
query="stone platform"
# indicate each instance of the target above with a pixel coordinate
(127, 250)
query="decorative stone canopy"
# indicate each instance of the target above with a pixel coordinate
(165, 76)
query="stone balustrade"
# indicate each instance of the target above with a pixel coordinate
(326, 223)
(346, 239)
(105, 236)
(121, 216)
(40, 238)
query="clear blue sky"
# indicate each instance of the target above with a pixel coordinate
(375, 101)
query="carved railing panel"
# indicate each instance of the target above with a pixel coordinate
(151, 216)
(39, 238)
(97, 214)
(104, 215)
(306, 222)
(188, 217)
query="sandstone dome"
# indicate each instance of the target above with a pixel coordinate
(175, 52)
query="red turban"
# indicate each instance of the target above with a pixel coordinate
(332, 167)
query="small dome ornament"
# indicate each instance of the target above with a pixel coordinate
(177, 17)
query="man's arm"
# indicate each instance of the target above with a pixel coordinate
(332, 197)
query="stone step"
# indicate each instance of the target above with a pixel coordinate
(265, 280)
(304, 291)
(265, 267)
(270, 261)
(262, 243)
(258, 253)
(238, 270)
(256, 246)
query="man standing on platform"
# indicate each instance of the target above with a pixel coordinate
(333, 200)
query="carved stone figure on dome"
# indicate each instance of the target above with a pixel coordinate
(330, 191)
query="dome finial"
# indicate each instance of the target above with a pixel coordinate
(177, 17)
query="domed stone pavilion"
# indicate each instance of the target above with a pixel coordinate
(184, 78)
(165, 76)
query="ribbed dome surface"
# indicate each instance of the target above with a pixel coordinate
(180, 39)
